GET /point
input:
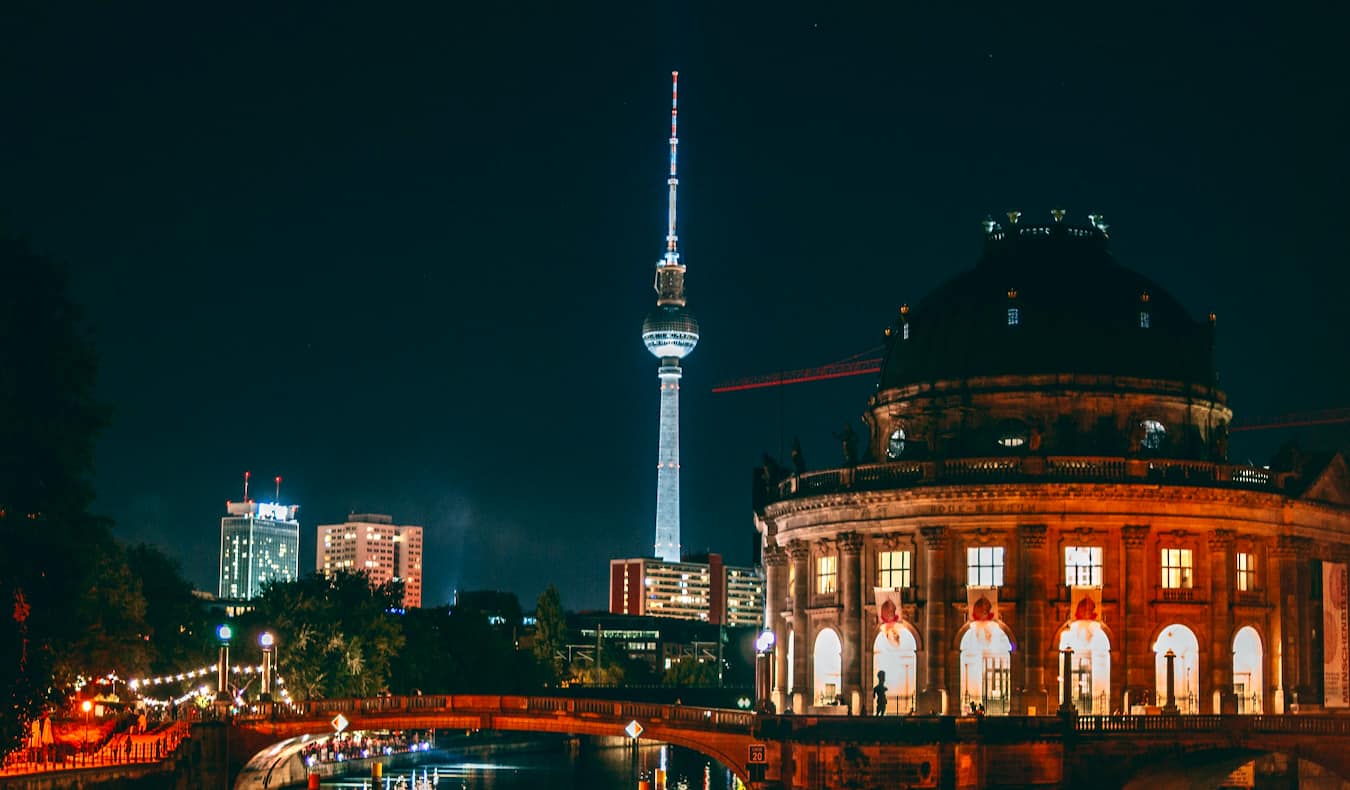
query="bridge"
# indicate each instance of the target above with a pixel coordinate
(863, 752)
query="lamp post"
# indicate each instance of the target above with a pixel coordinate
(763, 668)
(86, 706)
(1066, 706)
(267, 641)
(223, 633)
(1171, 707)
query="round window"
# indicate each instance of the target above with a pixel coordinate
(1155, 433)
(1012, 434)
(895, 445)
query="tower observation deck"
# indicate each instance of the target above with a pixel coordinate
(670, 332)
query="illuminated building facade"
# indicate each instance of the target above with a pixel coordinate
(692, 590)
(1047, 493)
(670, 332)
(372, 544)
(259, 543)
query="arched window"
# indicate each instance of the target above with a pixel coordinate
(895, 444)
(1186, 667)
(895, 652)
(1155, 433)
(828, 666)
(1091, 666)
(986, 655)
(1248, 684)
(1012, 434)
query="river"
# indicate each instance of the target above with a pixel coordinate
(583, 764)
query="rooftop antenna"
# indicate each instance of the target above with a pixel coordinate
(278, 499)
(672, 241)
(246, 474)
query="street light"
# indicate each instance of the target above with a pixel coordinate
(86, 706)
(223, 633)
(266, 640)
(763, 667)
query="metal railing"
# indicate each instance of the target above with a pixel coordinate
(118, 749)
(1018, 469)
(619, 712)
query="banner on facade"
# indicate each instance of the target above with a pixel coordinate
(981, 603)
(1335, 636)
(1085, 603)
(889, 613)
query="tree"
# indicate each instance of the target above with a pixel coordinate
(54, 550)
(336, 635)
(550, 634)
(177, 623)
(691, 672)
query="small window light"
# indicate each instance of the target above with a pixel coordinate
(904, 331)
(1155, 433)
(1014, 316)
(1143, 319)
(895, 444)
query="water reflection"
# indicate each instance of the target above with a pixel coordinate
(585, 763)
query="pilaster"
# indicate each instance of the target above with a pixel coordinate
(1031, 606)
(799, 554)
(1140, 671)
(1221, 573)
(937, 596)
(850, 626)
(776, 597)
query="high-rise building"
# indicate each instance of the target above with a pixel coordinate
(259, 544)
(690, 590)
(372, 544)
(670, 333)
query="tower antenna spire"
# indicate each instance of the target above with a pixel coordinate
(672, 241)
(278, 499)
(246, 474)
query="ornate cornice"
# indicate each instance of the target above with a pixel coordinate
(1134, 535)
(1221, 540)
(935, 538)
(1031, 536)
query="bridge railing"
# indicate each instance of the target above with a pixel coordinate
(621, 712)
(1265, 724)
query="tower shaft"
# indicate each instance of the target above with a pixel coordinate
(668, 464)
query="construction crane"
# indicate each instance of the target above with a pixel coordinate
(867, 362)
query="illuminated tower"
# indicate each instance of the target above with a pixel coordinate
(670, 333)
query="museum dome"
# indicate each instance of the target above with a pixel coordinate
(1047, 299)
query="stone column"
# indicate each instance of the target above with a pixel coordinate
(1066, 705)
(1170, 707)
(1031, 604)
(850, 626)
(1222, 570)
(799, 553)
(1136, 650)
(937, 599)
(776, 597)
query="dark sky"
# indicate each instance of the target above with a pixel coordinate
(400, 253)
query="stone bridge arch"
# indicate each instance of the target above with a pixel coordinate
(278, 734)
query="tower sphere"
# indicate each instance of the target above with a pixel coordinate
(670, 331)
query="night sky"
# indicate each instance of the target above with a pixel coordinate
(400, 255)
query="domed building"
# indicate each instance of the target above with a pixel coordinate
(1046, 515)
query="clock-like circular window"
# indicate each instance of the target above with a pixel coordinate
(895, 444)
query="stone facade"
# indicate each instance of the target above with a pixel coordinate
(1051, 485)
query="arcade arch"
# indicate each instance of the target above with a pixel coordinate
(1248, 682)
(986, 654)
(895, 652)
(1186, 648)
(828, 665)
(1091, 666)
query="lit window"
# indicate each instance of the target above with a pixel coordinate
(1143, 319)
(904, 331)
(895, 445)
(1155, 433)
(827, 575)
(1246, 571)
(1012, 434)
(1083, 566)
(984, 566)
(893, 569)
(1014, 316)
(1176, 569)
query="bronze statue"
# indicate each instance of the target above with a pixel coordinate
(849, 441)
(798, 462)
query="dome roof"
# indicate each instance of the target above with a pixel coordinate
(1076, 311)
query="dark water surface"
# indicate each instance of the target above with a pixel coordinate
(592, 764)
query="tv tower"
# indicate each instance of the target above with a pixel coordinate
(670, 333)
